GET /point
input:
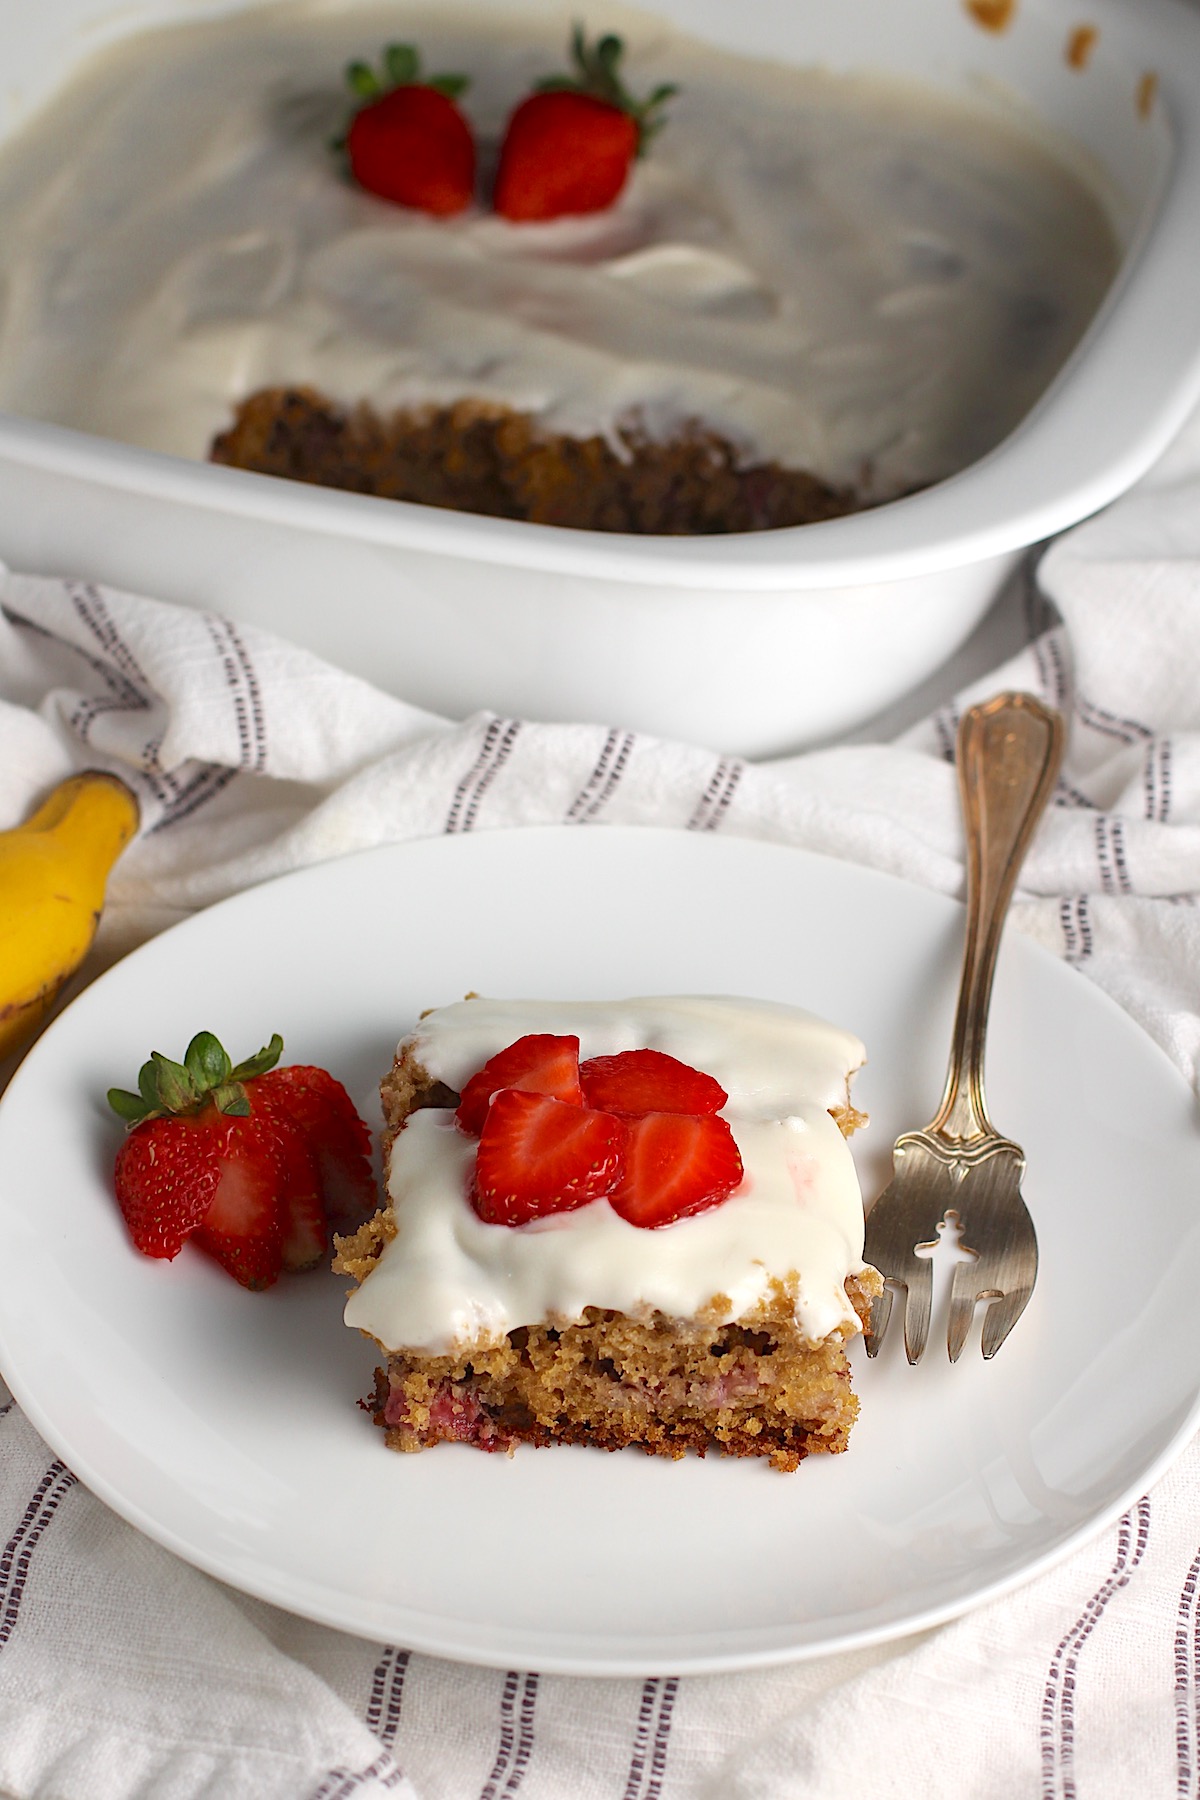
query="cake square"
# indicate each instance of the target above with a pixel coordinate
(634, 1313)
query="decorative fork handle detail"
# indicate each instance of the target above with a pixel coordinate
(1010, 749)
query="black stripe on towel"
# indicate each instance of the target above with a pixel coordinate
(498, 740)
(339, 1784)
(387, 1694)
(516, 1735)
(604, 779)
(244, 693)
(19, 1551)
(715, 799)
(1057, 1732)
(1187, 1669)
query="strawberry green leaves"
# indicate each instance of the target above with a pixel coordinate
(206, 1074)
(401, 68)
(598, 74)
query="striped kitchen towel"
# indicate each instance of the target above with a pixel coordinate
(127, 1675)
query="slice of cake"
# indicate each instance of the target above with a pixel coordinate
(617, 1223)
(496, 460)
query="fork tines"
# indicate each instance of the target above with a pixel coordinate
(974, 1185)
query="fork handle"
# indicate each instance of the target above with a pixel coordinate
(1009, 751)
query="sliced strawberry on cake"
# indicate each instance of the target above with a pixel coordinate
(644, 1081)
(538, 1155)
(675, 1164)
(539, 1063)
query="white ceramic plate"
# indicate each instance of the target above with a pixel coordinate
(224, 1424)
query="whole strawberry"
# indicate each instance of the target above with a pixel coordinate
(409, 142)
(245, 1161)
(570, 146)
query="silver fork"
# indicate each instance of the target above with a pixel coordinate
(959, 1170)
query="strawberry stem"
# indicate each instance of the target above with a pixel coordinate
(363, 81)
(598, 74)
(402, 64)
(206, 1061)
(204, 1077)
(401, 67)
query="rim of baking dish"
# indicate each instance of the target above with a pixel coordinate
(1122, 395)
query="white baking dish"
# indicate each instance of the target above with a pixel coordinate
(754, 643)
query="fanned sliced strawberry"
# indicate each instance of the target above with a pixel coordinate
(540, 1063)
(675, 1165)
(243, 1227)
(304, 1225)
(538, 1155)
(305, 1243)
(316, 1101)
(645, 1081)
(166, 1177)
(249, 1161)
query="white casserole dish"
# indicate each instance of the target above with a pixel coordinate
(753, 643)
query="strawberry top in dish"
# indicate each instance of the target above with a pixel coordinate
(838, 274)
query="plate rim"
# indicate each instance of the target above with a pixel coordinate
(272, 1587)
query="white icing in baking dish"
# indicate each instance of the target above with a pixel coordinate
(848, 274)
(447, 1277)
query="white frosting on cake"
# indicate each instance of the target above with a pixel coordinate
(448, 1278)
(847, 274)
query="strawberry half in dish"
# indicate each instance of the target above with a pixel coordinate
(569, 147)
(409, 141)
(251, 1162)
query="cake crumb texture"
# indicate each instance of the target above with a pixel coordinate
(491, 460)
(357, 1254)
(665, 1386)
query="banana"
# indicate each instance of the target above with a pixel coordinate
(53, 872)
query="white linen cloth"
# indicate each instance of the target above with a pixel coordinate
(126, 1675)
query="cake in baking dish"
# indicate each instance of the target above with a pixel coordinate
(631, 1223)
(818, 289)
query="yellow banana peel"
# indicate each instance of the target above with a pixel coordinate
(53, 872)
